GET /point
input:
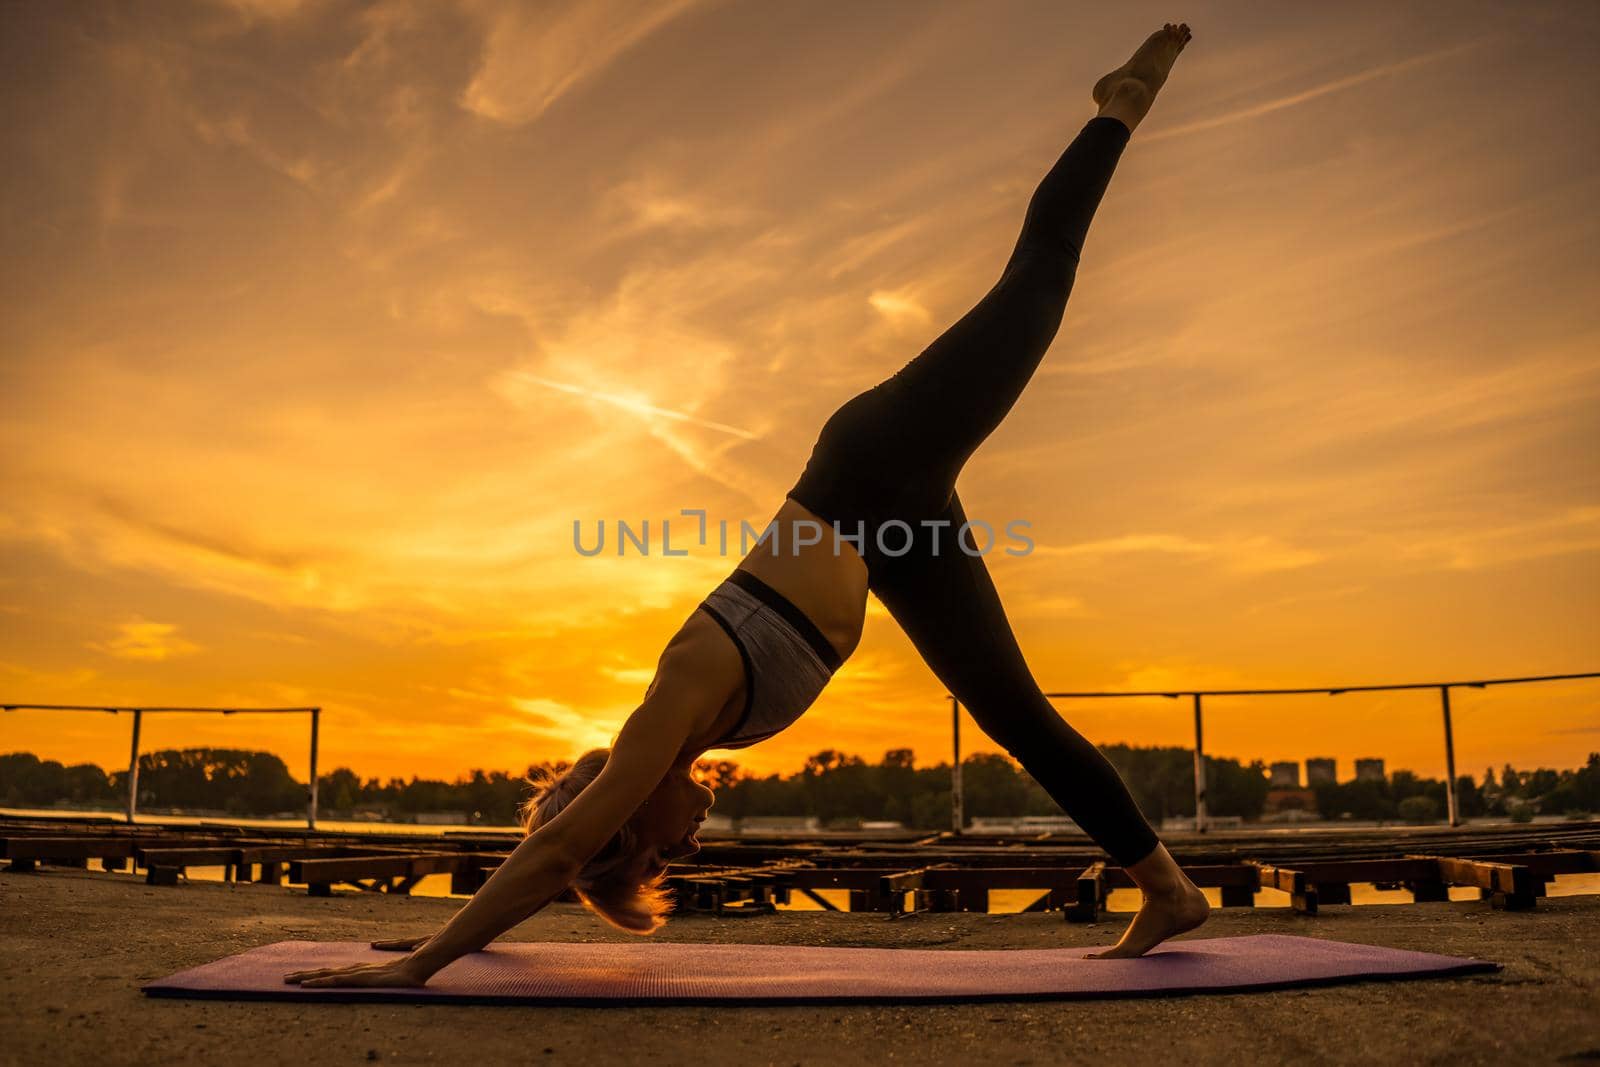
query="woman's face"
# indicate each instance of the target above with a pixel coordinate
(666, 823)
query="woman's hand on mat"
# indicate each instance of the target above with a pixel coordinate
(401, 972)
(401, 944)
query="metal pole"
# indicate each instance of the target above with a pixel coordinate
(133, 766)
(1449, 760)
(1199, 772)
(311, 806)
(957, 817)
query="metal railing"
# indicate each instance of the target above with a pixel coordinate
(138, 716)
(956, 802)
(958, 815)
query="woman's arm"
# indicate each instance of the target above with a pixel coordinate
(547, 861)
(688, 683)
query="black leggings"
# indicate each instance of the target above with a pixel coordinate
(893, 453)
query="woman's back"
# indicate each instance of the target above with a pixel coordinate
(785, 620)
(827, 581)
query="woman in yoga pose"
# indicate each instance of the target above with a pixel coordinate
(762, 645)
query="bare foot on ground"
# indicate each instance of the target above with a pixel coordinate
(1160, 916)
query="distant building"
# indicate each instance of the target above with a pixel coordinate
(1213, 822)
(757, 824)
(1370, 770)
(1285, 804)
(1034, 824)
(1320, 770)
(1285, 774)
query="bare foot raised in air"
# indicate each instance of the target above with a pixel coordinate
(1127, 92)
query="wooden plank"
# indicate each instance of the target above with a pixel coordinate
(858, 878)
(973, 899)
(61, 848)
(868, 900)
(1333, 892)
(1280, 878)
(1238, 896)
(473, 870)
(1050, 900)
(1205, 875)
(1302, 894)
(1510, 886)
(906, 881)
(325, 872)
(284, 853)
(1086, 903)
(162, 875)
(1007, 878)
(271, 859)
(821, 901)
(1320, 872)
(187, 857)
(1549, 863)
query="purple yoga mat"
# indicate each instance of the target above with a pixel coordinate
(667, 972)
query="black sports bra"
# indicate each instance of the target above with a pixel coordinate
(787, 660)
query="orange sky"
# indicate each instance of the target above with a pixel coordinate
(322, 323)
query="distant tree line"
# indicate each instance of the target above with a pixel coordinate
(1515, 793)
(837, 788)
(230, 780)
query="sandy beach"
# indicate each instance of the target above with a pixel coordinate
(75, 946)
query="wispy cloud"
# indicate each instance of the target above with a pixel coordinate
(633, 404)
(1243, 555)
(536, 54)
(1305, 95)
(149, 641)
(898, 306)
(645, 202)
(560, 725)
(1572, 530)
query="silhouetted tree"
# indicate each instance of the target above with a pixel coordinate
(838, 788)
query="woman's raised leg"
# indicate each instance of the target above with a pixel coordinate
(895, 450)
(960, 388)
(953, 395)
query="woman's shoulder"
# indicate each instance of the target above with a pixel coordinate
(701, 666)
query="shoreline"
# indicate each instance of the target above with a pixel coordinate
(157, 818)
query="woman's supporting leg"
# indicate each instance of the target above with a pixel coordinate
(947, 604)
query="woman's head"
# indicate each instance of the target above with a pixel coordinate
(623, 882)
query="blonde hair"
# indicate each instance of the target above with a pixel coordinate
(604, 884)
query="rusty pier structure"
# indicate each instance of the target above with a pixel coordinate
(893, 874)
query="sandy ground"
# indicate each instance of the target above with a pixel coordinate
(74, 946)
